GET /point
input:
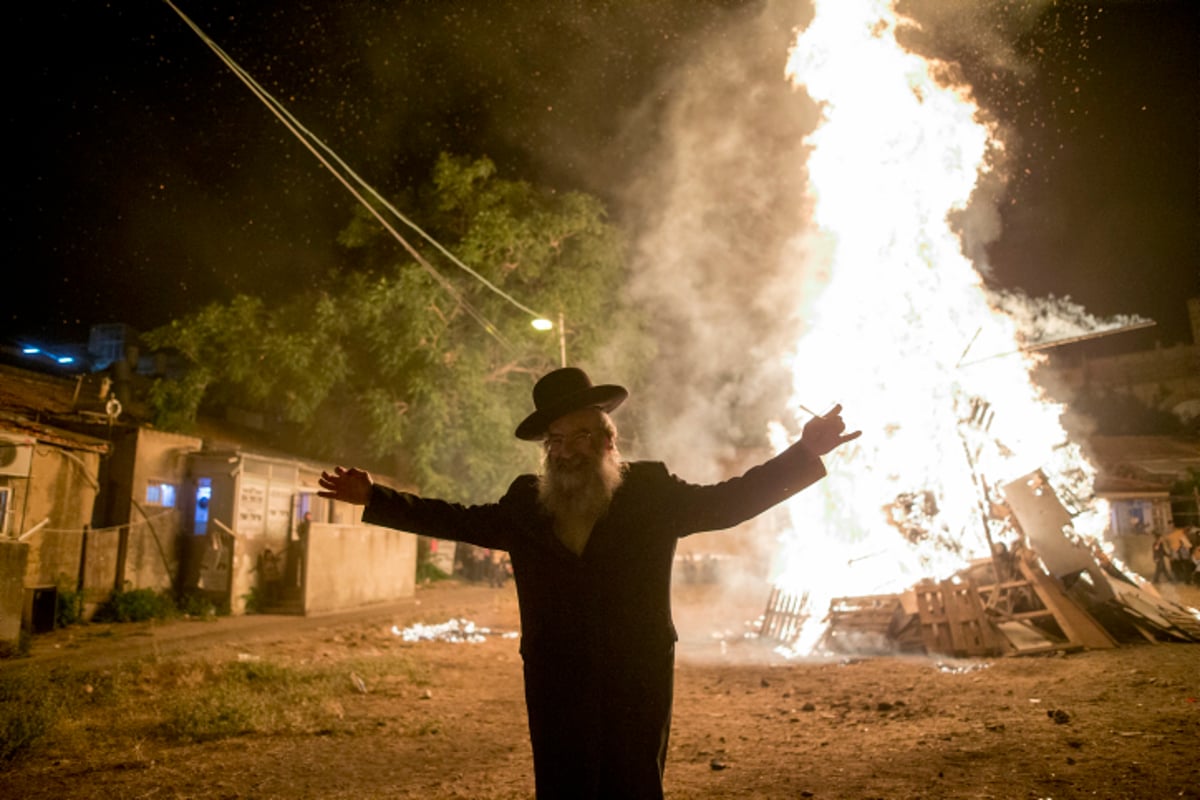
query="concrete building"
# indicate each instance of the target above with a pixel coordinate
(93, 501)
(48, 485)
(1143, 478)
(243, 504)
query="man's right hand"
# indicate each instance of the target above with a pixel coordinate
(348, 485)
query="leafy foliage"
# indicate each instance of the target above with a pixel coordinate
(68, 606)
(388, 366)
(136, 605)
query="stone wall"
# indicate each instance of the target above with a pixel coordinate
(349, 566)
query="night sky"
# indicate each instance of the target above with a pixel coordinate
(150, 181)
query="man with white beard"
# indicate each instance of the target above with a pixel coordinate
(592, 541)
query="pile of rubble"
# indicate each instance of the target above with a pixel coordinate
(1046, 593)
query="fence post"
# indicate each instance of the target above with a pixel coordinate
(82, 570)
(122, 551)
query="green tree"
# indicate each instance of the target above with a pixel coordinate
(383, 365)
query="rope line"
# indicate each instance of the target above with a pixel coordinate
(114, 528)
(308, 138)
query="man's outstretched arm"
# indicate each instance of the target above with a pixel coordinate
(728, 503)
(482, 525)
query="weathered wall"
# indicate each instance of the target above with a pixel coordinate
(263, 517)
(357, 565)
(156, 533)
(12, 591)
(65, 485)
(62, 490)
(206, 568)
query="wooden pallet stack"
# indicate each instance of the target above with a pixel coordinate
(871, 623)
(953, 621)
(980, 613)
(785, 616)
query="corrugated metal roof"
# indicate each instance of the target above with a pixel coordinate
(48, 434)
(34, 393)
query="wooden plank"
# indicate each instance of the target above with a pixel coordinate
(931, 610)
(1170, 619)
(1078, 625)
(1040, 614)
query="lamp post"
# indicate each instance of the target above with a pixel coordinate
(543, 324)
(562, 340)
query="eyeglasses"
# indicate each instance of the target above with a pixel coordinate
(555, 441)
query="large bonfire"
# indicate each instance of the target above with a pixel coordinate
(924, 357)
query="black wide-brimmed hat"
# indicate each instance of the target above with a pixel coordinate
(562, 391)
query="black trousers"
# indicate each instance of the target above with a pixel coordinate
(600, 727)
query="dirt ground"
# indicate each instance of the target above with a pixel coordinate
(1121, 723)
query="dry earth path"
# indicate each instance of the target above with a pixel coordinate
(1122, 723)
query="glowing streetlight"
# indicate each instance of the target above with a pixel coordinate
(543, 324)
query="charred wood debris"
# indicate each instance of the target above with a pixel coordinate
(1049, 592)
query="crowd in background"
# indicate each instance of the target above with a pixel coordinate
(482, 564)
(1177, 556)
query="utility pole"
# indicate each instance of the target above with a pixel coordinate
(562, 340)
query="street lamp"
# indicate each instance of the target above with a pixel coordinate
(543, 324)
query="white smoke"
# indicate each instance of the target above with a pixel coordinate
(726, 261)
(718, 243)
(729, 264)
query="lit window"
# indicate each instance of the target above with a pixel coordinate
(160, 494)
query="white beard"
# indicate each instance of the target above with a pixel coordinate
(578, 492)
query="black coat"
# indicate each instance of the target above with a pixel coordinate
(596, 629)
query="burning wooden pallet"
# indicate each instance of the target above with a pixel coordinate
(974, 616)
(785, 616)
(873, 624)
(1035, 614)
(953, 621)
(1050, 595)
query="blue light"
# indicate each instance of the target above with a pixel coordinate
(34, 350)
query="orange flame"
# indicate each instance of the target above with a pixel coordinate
(895, 154)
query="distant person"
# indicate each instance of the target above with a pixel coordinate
(498, 568)
(1179, 550)
(468, 561)
(297, 553)
(272, 575)
(1162, 560)
(592, 541)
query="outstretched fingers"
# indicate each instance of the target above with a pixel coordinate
(837, 426)
(348, 485)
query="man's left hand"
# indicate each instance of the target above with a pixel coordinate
(822, 434)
